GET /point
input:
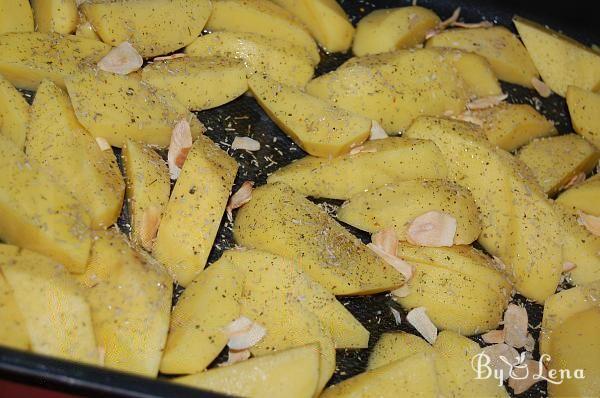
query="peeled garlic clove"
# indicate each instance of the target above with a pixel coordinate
(418, 318)
(247, 339)
(245, 143)
(181, 142)
(400, 265)
(432, 229)
(386, 240)
(377, 132)
(493, 337)
(515, 326)
(149, 227)
(240, 198)
(121, 60)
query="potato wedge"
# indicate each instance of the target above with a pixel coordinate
(65, 150)
(119, 108)
(148, 190)
(584, 106)
(199, 83)
(396, 205)
(317, 127)
(38, 214)
(555, 161)
(85, 30)
(510, 126)
(261, 17)
(132, 328)
(28, 58)
(209, 303)
(396, 346)
(392, 29)
(582, 197)
(15, 16)
(378, 163)
(561, 61)
(60, 16)
(503, 50)
(14, 114)
(270, 277)
(13, 333)
(326, 21)
(413, 376)
(193, 215)
(476, 72)
(514, 210)
(57, 316)
(292, 373)
(153, 28)
(283, 222)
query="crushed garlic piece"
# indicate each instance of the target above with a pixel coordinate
(402, 291)
(502, 358)
(493, 337)
(542, 88)
(525, 375)
(240, 198)
(396, 315)
(103, 144)
(444, 24)
(246, 143)
(486, 102)
(400, 265)
(122, 60)
(234, 356)
(168, 57)
(377, 132)
(432, 229)
(181, 142)
(243, 333)
(418, 318)
(515, 326)
(361, 149)
(149, 226)
(387, 240)
(591, 223)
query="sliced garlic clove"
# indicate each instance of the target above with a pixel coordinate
(168, 57)
(238, 325)
(525, 375)
(236, 356)
(243, 333)
(432, 229)
(542, 88)
(181, 142)
(377, 132)
(386, 240)
(465, 25)
(245, 143)
(121, 60)
(400, 265)
(486, 102)
(515, 326)
(443, 25)
(397, 316)
(502, 358)
(493, 337)
(418, 318)
(103, 144)
(402, 291)
(591, 223)
(240, 198)
(149, 227)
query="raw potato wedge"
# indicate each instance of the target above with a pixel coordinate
(199, 83)
(189, 226)
(503, 50)
(119, 108)
(476, 72)
(65, 150)
(270, 277)
(13, 333)
(514, 210)
(261, 17)
(583, 197)
(130, 298)
(292, 373)
(148, 190)
(280, 60)
(396, 346)
(28, 58)
(85, 30)
(392, 29)
(584, 107)
(555, 161)
(14, 114)
(60, 16)
(561, 61)
(57, 316)
(413, 376)
(510, 126)
(396, 205)
(38, 214)
(379, 162)
(283, 222)
(15, 16)
(316, 126)
(326, 20)
(153, 27)
(208, 304)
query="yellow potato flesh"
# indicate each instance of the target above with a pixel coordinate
(14, 114)
(584, 107)
(316, 126)
(85, 30)
(392, 29)
(199, 83)
(397, 205)
(396, 346)
(292, 373)
(65, 150)
(378, 163)
(13, 332)
(583, 197)
(60, 16)
(15, 16)
(476, 72)
(283, 222)
(190, 223)
(208, 304)
(57, 316)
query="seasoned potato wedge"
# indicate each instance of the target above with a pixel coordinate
(397, 205)
(65, 150)
(60, 16)
(504, 51)
(510, 126)
(13, 332)
(555, 161)
(193, 215)
(584, 107)
(57, 316)
(292, 373)
(326, 20)
(396, 346)
(514, 210)
(14, 114)
(15, 16)
(378, 163)
(199, 83)
(583, 197)
(561, 61)
(261, 17)
(119, 108)
(282, 221)
(393, 29)
(270, 277)
(28, 58)
(153, 28)
(85, 30)
(38, 214)
(148, 190)
(318, 127)
(208, 304)
(476, 72)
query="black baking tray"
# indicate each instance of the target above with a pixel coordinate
(244, 117)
